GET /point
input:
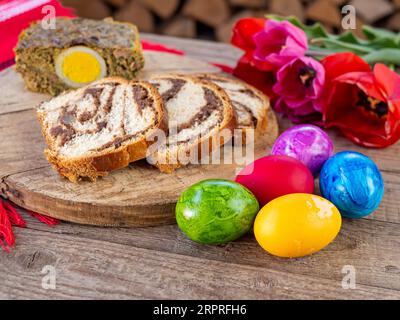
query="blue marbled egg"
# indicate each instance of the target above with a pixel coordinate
(352, 182)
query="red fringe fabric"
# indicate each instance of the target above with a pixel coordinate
(10, 217)
(7, 239)
(45, 219)
(13, 215)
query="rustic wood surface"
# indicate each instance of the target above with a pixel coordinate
(160, 262)
(127, 197)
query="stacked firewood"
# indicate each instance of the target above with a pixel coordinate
(213, 19)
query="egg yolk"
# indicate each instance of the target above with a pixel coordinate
(81, 67)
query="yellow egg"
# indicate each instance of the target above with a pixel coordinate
(79, 66)
(296, 225)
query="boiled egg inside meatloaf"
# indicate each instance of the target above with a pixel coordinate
(78, 66)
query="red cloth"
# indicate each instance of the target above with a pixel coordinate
(9, 217)
(15, 16)
(146, 45)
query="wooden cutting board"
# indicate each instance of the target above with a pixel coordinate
(135, 196)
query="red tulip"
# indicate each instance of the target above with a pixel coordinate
(363, 103)
(262, 80)
(242, 37)
(243, 32)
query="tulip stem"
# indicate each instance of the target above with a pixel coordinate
(315, 51)
(318, 53)
(341, 44)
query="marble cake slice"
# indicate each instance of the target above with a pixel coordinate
(198, 112)
(250, 105)
(37, 50)
(100, 127)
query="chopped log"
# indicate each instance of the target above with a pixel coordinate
(180, 27)
(117, 3)
(372, 10)
(136, 13)
(394, 22)
(95, 10)
(211, 13)
(162, 8)
(223, 32)
(358, 31)
(325, 12)
(250, 4)
(338, 2)
(287, 8)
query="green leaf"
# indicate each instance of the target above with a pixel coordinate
(314, 31)
(380, 43)
(350, 38)
(335, 44)
(375, 33)
(387, 56)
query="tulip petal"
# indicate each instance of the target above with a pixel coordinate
(365, 81)
(260, 79)
(389, 83)
(244, 30)
(340, 63)
(297, 98)
(278, 43)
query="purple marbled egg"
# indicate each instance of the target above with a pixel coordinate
(307, 143)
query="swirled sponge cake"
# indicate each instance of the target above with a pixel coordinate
(77, 52)
(101, 127)
(197, 113)
(250, 105)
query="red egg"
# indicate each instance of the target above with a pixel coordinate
(274, 176)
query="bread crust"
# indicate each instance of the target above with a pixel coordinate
(262, 123)
(99, 164)
(229, 123)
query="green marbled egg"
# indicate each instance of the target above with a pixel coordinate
(216, 211)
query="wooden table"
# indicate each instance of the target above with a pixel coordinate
(160, 263)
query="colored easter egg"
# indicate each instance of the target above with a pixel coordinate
(353, 182)
(216, 211)
(307, 143)
(273, 176)
(296, 225)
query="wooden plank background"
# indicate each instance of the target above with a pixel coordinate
(160, 262)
